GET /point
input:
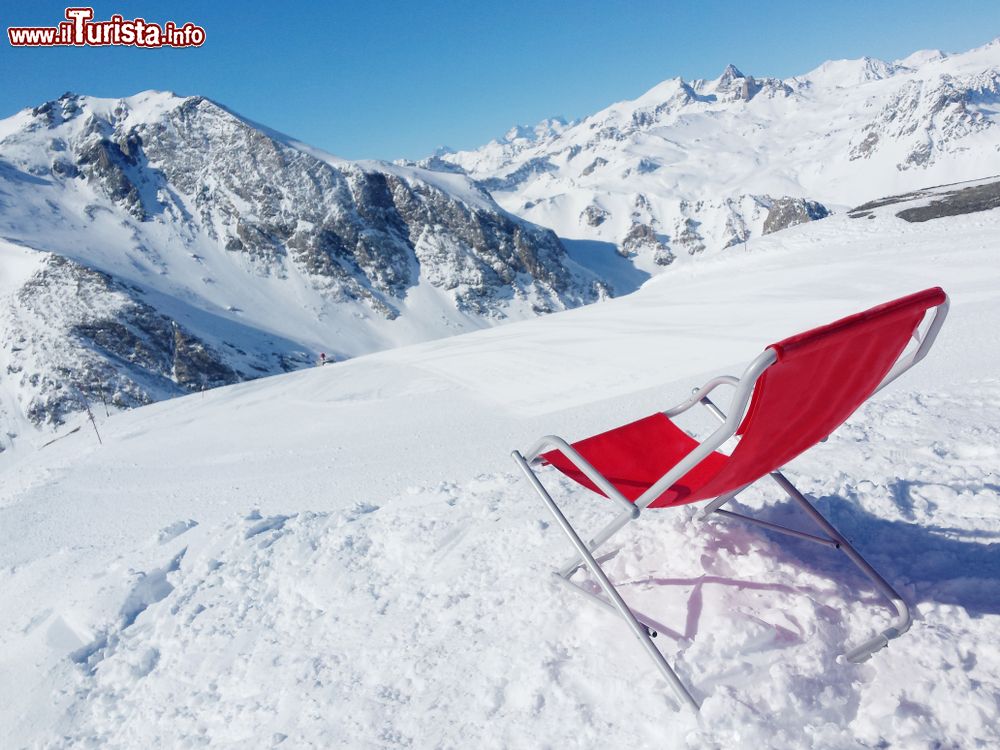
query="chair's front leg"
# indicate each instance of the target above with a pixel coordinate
(639, 630)
(629, 510)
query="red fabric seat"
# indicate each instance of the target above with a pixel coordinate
(819, 379)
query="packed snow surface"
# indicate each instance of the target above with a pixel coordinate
(345, 556)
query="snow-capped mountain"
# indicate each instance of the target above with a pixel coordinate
(155, 245)
(705, 164)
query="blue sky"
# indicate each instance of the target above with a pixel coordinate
(397, 79)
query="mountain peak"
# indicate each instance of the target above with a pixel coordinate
(729, 74)
(920, 58)
(845, 73)
(734, 84)
(546, 128)
(518, 132)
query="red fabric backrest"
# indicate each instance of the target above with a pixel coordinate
(819, 379)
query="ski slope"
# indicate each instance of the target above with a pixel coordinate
(345, 557)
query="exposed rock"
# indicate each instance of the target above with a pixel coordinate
(935, 203)
(865, 210)
(594, 215)
(735, 86)
(930, 116)
(519, 176)
(434, 162)
(737, 232)
(688, 237)
(645, 166)
(105, 162)
(354, 229)
(966, 201)
(65, 169)
(650, 116)
(641, 238)
(595, 164)
(491, 251)
(789, 212)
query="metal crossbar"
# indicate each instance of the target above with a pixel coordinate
(780, 529)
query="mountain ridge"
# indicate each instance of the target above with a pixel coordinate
(700, 165)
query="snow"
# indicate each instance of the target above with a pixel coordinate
(345, 556)
(921, 57)
(19, 265)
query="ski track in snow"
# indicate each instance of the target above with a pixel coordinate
(346, 558)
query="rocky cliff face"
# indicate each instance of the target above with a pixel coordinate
(75, 336)
(355, 229)
(929, 119)
(189, 248)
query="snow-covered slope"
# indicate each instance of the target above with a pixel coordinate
(702, 165)
(344, 556)
(180, 246)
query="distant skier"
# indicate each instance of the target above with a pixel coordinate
(322, 358)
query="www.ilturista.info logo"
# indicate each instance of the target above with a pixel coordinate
(79, 30)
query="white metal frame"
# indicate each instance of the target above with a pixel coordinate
(645, 628)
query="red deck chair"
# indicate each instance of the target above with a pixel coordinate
(790, 397)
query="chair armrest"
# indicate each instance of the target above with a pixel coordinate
(609, 490)
(700, 393)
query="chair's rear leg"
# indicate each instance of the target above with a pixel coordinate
(638, 629)
(901, 623)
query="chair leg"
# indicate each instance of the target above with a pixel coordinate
(901, 622)
(640, 630)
